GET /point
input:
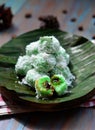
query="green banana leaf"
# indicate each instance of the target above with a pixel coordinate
(82, 64)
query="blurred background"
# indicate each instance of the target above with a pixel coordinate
(74, 16)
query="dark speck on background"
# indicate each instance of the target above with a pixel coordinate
(93, 16)
(80, 28)
(64, 11)
(73, 19)
(28, 15)
(93, 37)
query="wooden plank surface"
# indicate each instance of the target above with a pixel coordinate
(84, 13)
(76, 119)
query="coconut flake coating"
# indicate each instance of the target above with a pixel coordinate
(31, 76)
(43, 62)
(62, 56)
(23, 65)
(49, 44)
(32, 48)
(69, 77)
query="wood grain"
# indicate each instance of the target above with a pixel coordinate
(75, 119)
(81, 10)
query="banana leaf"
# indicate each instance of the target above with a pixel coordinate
(82, 64)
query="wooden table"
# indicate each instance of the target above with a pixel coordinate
(75, 16)
(77, 119)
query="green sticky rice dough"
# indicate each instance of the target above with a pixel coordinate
(43, 62)
(43, 87)
(45, 67)
(62, 56)
(65, 71)
(31, 76)
(49, 44)
(59, 84)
